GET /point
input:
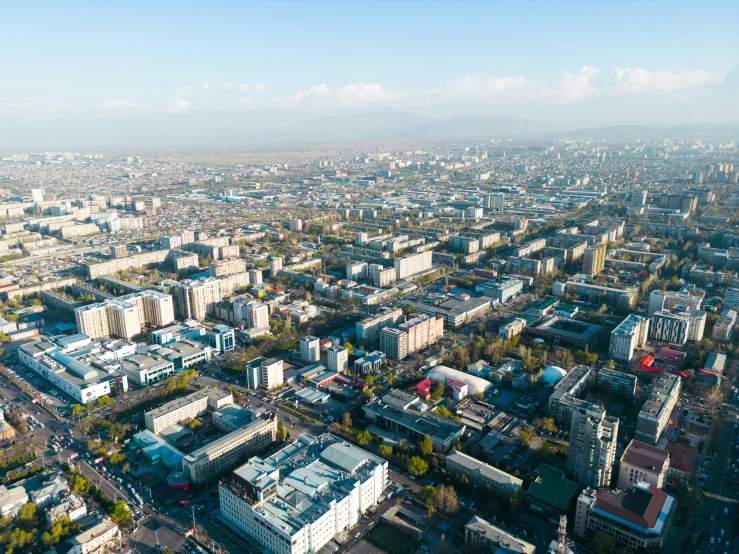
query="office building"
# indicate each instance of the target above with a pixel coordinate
(298, 499)
(368, 329)
(226, 452)
(657, 410)
(481, 474)
(640, 517)
(222, 338)
(639, 199)
(188, 407)
(394, 343)
(73, 376)
(411, 265)
(482, 536)
(338, 359)
(310, 349)
(667, 300)
(271, 374)
(645, 463)
(407, 415)
(594, 259)
(592, 452)
(677, 326)
(146, 369)
(629, 335)
(503, 290)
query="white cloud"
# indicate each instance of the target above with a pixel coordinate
(256, 87)
(572, 87)
(183, 91)
(115, 105)
(368, 93)
(177, 105)
(224, 85)
(244, 102)
(205, 86)
(641, 80)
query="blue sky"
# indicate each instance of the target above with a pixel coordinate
(568, 63)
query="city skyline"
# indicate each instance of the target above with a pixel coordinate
(155, 76)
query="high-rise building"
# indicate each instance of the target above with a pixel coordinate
(257, 315)
(255, 276)
(412, 264)
(639, 198)
(593, 438)
(37, 195)
(271, 374)
(338, 359)
(594, 259)
(125, 317)
(198, 298)
(118, 251)
(643, 462)
(310, 349)
(368, 329)
(494, 201)
(677, 326)
(296, 225)
(231, 266)
(411, 336)
(629, 335)
(656, 412)
(275, 265)
(731, 298)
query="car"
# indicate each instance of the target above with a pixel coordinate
(357, 535)
(713, 540)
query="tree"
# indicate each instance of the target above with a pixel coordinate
(346, 421)
(447, 500)
(168, 550)
(429, 496)
(547, 424)
(425, 445)
(116, 458)
(390, 379)
(103, 401)
(417, 466)
(27, 515)
(408, 309)
(120, 512)
(77, 409)
(194, 424)
(602, 543)
(364, 438)
(370, 380)
(349, 348)
(610, 364)
(282, 433)
(385, 450)
(525, 435)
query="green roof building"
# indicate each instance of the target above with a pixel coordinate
(551, 494)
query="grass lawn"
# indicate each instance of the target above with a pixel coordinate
(392, 540)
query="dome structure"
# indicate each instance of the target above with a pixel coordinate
(442, 374)
(553, 374)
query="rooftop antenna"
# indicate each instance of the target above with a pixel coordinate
(564, 545)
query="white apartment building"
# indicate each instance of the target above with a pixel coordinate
(656, 412)
(275, 265)
(271, 374)
(257, 315)
(356, 271)
(198, 298)
(338, 359)
(368, 330)
(255, 276)
(298, 499)
(629, 335)
(503, 290)
(677, 327)
(221, 268)
(593, 438)
(494, 201)
(411, 336)
(667, 300)
(310, 349)
(155, 308)
(412, 265)
(188, 407)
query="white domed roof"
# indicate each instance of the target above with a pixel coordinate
(553, 374)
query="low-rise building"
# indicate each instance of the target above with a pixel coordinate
(482, 536)
(479, 473)
(188, 407)
(102, 534)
